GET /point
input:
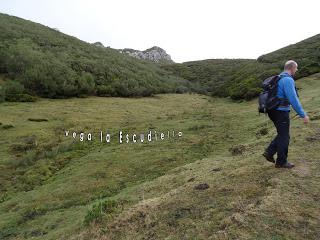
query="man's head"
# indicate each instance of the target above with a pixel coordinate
(291, 67)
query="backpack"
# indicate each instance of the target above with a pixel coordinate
(268, 99)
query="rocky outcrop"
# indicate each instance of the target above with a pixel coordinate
(155, 54)
(98, 44)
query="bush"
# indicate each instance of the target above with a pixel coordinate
(105, 91)
(181, 89)
(86, 84)
(246, 89)
(13, 87)
(14, 91)
(23, 97)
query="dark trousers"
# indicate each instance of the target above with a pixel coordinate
(280, 143)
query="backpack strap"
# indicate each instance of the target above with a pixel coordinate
(284, 102)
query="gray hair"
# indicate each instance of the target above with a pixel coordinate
(290, 64)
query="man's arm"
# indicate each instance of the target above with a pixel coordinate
(291, 94)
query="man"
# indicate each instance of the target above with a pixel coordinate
(280, 116)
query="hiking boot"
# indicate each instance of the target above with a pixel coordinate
(286, 165)
(268, 157)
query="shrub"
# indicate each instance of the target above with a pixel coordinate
(86, 84)
(13, 87)
(23, 97)
(13, 91)
(105, 91)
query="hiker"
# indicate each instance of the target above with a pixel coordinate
(287, 92)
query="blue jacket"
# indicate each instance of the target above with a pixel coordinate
(286, 89)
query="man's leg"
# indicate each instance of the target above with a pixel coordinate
(272, 148)
(282, 124)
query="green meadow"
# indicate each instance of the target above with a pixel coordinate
(210, 183)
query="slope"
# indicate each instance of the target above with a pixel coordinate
(241, 78)
(52, 188)
(245, 196)
(40, 61)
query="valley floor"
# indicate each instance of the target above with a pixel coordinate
(211, 183)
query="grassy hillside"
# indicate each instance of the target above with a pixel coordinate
(306, 53)
(241, 78)
(41, 61)
(237, 78)
(56, 188)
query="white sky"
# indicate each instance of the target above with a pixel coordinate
(187, 30)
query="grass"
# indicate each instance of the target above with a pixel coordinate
(56, 188)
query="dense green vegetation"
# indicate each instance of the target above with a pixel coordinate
(241, 78)
(306, 53)
(41, 61)
(238, 78)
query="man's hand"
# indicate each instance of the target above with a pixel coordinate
(306, 119)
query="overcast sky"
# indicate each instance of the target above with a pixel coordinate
(187, 30)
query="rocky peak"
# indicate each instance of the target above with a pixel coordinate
(155, 54)
(98, 44)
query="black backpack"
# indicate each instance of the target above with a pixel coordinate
(268, 99)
